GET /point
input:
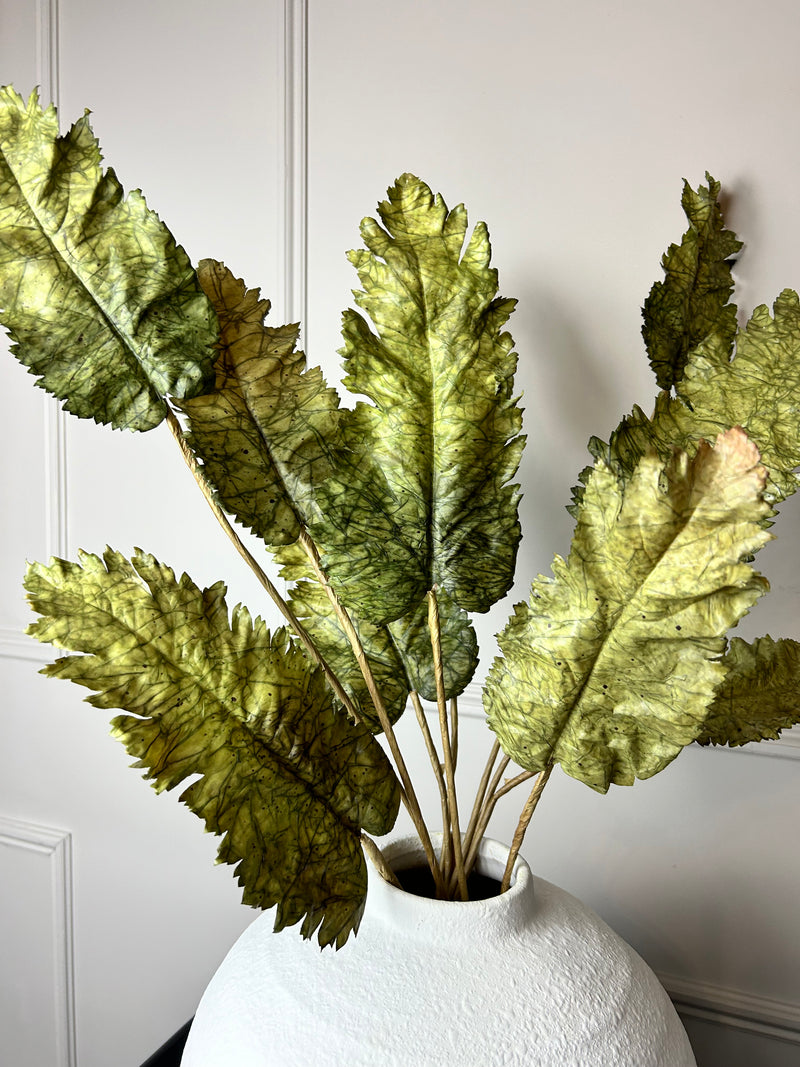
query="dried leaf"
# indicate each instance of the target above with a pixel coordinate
(610, 668)
(760, 696)
(101, 303)
(284, 777)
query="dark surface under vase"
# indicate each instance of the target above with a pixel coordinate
(169, 1055)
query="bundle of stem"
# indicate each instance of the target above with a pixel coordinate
(450, 870)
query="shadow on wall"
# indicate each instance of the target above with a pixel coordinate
(572, 389)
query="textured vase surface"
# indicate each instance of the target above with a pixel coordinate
(530, 978)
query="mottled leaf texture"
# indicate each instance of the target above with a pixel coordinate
(284, 778)
(760, 696)
(759, 390)
(311, 605)
(424, 496)
(692, 301)
(263, 434)
(689, 327)
(399, 653)
(459, 642)
(610, 667)
(101, 303)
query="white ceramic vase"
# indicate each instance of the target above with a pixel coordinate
(531, 978)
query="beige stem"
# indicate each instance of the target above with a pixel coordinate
(479, 796)
(275, 596)
(454, 731)
(485, 815)
(433, 755)
(434, 626)
(410, 796)
(524, 820)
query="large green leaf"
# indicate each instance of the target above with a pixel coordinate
(286, 779)
(610, 667)
(760, 696)
(759, 390)
(692, 301)
(264, 434)
(422, 494)
(101, 303)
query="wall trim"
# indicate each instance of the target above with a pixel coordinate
(15, 644)
(293, 162)
(57, 844)
(731, 1008)
(48, 76)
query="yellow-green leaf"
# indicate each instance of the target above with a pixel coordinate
(286, 779)
(610, 668)
(423, 495)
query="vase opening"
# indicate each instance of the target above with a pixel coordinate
(418, 880)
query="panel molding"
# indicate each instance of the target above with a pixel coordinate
(46, 62)
(57, 846)
(731, 1008)
(48, 52)
(48, 76)
(293, 161)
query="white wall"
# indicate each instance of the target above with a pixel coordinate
(568, 128)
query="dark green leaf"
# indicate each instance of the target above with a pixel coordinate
(459, 648)
(692, 301)
(760, 696)
(264, 433)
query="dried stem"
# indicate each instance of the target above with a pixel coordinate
(250, 560)
(433, 755)
(454, 731)
(512, 783)
(495, 791)
(434, 626)
(479, 796)
(480, 817)
(524, 820)
(379, 861)
(409, 795)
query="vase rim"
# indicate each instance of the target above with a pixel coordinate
(503, 912)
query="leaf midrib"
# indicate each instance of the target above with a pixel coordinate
(627, 610)
(63, 256)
